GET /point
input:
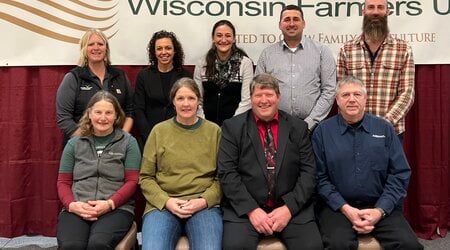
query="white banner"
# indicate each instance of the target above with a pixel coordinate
(46, 32)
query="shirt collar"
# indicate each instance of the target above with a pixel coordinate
(259, 120)
(299, 46)
(92, 75)
(344, 127)
(188, 127)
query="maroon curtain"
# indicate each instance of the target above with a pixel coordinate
(428, 148)
(31, 149)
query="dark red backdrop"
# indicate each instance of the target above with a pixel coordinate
(31, 146)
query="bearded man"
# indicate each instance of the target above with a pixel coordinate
(384, 63)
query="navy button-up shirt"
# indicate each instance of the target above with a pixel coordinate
(360, 165)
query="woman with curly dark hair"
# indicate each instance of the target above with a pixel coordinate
(153, 83)
(224, 75)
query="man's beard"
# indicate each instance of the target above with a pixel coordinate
(375, 27)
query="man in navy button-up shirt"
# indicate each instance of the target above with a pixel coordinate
(362, 175)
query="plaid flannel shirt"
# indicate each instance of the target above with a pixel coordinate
(389, 81)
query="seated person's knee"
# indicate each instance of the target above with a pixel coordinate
(69, 245)
(238, 244)
(339, 243)
(411, 244)
(101, 241)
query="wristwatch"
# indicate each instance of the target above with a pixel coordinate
(383, 213)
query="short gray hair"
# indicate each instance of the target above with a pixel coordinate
(350, 80)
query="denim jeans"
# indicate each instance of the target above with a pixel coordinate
(162, 230)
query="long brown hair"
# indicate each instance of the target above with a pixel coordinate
(210, 67)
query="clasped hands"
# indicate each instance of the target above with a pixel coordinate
(363, 220)
(90, 210)
(185, 208)
(268, 223)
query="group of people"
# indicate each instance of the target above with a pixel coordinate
(230, 156)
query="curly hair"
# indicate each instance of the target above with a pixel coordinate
(85, 122)
(178, 57)
(84, 42)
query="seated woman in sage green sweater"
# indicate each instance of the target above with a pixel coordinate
(178, 177)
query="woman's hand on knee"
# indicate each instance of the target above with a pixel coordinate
(84, 210)
(100, 206)
(175, 206)
(195, 205)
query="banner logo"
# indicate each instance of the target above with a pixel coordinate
(68, 20)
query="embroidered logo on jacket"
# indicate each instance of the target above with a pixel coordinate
(87, 87)
(113, 153)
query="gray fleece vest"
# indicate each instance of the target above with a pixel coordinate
(99, 177)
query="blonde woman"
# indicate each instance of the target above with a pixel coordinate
(93, 73)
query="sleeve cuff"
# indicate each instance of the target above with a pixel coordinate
(310, 122)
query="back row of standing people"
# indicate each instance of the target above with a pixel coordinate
(223, 76)
(305, 69)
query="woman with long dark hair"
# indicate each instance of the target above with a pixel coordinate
(224, 75)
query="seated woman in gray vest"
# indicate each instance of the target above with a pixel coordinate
(97, 178)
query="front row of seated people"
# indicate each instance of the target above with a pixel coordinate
(264, 163)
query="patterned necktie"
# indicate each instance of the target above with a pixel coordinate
(270, 152)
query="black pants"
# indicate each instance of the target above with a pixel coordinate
(105, 233)
(393, 232)
(238, 235)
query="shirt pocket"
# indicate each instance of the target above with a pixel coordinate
(356, 69)
(380, 158)
(390, 69)
(357, 65)
(391, 65)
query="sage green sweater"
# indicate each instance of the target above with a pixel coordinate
(180, 162)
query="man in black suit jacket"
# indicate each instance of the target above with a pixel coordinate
(250, 212)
